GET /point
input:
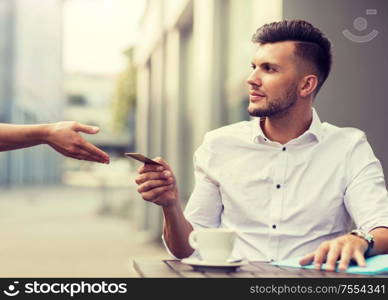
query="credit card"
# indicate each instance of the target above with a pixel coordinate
(142, 158)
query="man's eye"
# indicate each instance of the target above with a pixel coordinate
(268, 68)
(253, 66)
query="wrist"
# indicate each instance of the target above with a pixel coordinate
(367, 237)
(43, 133)
(172, 209)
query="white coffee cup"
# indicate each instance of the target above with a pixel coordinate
(213, 244)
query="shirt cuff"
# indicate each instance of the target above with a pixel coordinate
(376, 224)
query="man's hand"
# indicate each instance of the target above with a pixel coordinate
(157, 184)
(64, 138)
(345, 247)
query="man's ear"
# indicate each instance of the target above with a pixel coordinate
(308, 85)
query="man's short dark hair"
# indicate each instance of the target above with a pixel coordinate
(310, 43)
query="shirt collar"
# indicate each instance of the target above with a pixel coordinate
(314, 130)
(316, 126)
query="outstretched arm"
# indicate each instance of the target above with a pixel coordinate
(64, 137)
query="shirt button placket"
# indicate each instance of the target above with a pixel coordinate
(278, 193)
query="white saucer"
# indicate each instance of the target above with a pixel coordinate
(203, 263)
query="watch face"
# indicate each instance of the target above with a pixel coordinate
(368, 237)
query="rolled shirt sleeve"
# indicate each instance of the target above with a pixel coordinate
(366, 196)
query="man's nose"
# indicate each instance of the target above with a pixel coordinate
(254, 79)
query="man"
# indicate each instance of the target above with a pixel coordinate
(290, 185)
(64, 137)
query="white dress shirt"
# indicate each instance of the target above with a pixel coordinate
(284, 200)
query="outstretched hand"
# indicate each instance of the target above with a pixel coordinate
(64, 137)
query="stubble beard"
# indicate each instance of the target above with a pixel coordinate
(277, 106)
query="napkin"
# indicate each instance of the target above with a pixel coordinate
(374, 265)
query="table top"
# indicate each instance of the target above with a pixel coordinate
(254, 269)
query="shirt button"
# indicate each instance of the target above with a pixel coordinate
(278, 186)
(273, 226)
(284, 148)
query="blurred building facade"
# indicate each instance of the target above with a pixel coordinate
(89, 101)
(30, 83)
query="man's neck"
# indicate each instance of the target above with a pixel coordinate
(289, 125)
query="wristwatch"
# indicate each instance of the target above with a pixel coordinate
(367, 237)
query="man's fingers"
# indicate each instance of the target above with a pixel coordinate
(155, 168)
(320, 255)
(153, 194)
(360, 259)
(93, 150)
(346, 256)
(307, 259)
(149, 168)
(332, 257)
(152, 176)
(163, 162)
(346, 247)
(86, 128)
(152, 184)
(166, 166)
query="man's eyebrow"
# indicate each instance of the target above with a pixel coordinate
(265, 63)
(270, 64)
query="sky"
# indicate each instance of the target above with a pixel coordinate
(96, 32)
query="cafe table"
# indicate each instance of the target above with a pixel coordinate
(168, 268)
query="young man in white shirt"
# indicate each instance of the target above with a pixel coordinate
(290, 185)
